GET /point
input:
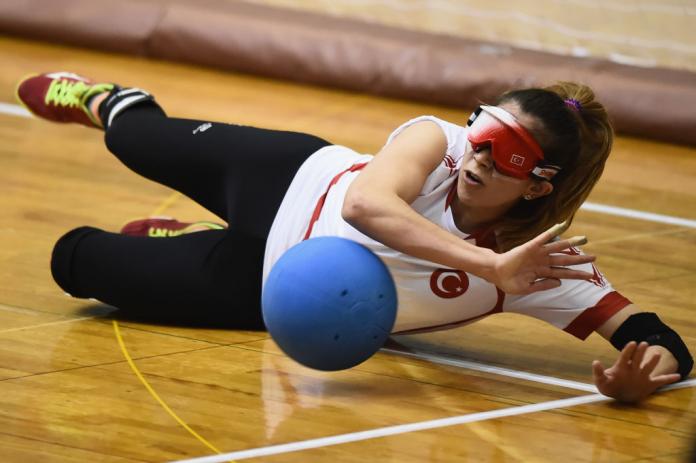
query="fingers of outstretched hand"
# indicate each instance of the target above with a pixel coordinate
(563, 260)
(627, 353)
(562, 245)
(543, 285)
(648, 367)
(598, 372)
(551, 233)
(663, 380)
(639, 354)
(564, 273)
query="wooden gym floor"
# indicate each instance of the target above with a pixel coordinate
(77, 386)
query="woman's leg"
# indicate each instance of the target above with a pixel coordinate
(239, 173)
(211, 277)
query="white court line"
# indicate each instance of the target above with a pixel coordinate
(496, 370)
(16, 110)
(394, 430)
(640, 215)
(412, 427)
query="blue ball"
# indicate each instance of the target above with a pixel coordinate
(329, 303)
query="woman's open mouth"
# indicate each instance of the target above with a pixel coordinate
(471, 178)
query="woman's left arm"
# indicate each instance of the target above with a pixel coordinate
(652, 355)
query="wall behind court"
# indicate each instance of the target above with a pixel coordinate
(638, 32)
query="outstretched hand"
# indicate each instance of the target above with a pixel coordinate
(537, 266)
(631, 378)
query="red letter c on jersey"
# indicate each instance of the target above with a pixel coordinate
(448, 283)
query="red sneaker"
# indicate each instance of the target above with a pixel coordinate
(60, 97)
(166, 227)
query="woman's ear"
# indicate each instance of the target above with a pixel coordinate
(538, 189)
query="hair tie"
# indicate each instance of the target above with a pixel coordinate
(572, 103)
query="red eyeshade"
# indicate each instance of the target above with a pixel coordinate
(513, 149)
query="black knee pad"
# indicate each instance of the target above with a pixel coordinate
(62, 259)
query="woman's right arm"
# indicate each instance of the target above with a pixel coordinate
(378, 204)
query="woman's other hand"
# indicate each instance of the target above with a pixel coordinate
(632, 377)
(538, 264)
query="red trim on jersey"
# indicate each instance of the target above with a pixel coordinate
(598, 278)
(322, 200)
(450, 163)
(594, 317)
(446, 326)
(485, 238)
(450, 195)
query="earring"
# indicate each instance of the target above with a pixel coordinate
(528, 197)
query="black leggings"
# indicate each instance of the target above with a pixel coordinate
(213, 277)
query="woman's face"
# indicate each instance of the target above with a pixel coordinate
(481, 185)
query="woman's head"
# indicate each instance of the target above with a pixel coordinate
(574, 133)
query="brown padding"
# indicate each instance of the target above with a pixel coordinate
(312, 48)
(114, 26)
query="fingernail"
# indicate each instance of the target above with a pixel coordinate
(581, 241)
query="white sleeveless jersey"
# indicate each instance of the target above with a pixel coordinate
(430, 297)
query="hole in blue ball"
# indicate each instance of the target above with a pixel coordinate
(344, 292)
(336, 336)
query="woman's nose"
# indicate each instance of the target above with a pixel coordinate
(484, 158)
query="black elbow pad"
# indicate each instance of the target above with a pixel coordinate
(648, 327)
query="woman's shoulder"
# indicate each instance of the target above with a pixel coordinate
(455, 134)
(447, 126)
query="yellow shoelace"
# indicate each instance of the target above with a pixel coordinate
(65, 92)
(155, 232)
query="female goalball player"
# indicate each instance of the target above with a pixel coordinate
(457, 213)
